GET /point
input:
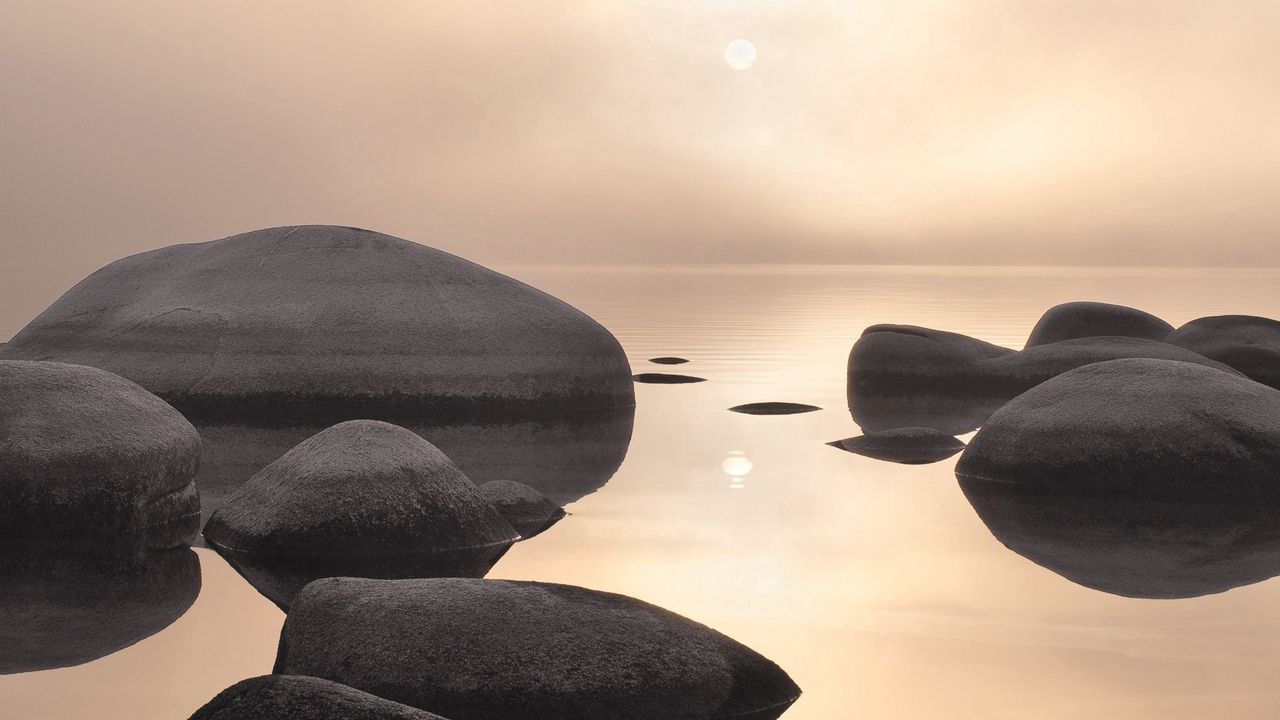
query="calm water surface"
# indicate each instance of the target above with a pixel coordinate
(874, 585)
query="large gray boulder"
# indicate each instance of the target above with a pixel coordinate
(908, 376)
(360, 488)
(1143, 477)
(1247, 343)
(66, 602)
(296, 697)
(1073, 320)
(85, 452)
(490, 650)
(319, 322)
(526, 509)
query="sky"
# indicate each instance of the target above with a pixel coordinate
(1091, 132)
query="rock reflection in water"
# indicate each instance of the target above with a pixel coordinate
(565, 457)
(65, 603)
(1157, 550)
(279, 579)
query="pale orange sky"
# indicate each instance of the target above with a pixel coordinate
(902, 131)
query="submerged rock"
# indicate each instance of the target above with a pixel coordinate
(489, 650)
(908, 445)
(773, 408)
(66, 602)
(296, 697)
(902, 376)
(1073, 320)
(1247, 343)
(526, 509)
(668, 360)
(666, 378)
(1140, 477)
(362, 488)
(84, 452)
(321, 323)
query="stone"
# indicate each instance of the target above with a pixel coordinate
(84, 452)
(358, 489)
(296, 697)
(526, 509)
(1073, 320)
(1247, 343)
(773, 408)
(319, 323)
(907, 445)
(666, 378)
(668, 360)
(492, 649)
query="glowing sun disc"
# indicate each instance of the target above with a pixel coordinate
(740, 54)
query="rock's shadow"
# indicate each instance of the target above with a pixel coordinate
(65, 603)
(1153, 549)
(565, 457)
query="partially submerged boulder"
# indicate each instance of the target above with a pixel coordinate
(296, 697)
(1142, 477)
(489, 650)
(84, 452)
(1073, 320)
(1247, 343)
(901, 375)
(325, 323)
(669, 360)
(908, 445)
(66, 602)
(666, 378)
(526, 509)
(361, 488)
(774, 407)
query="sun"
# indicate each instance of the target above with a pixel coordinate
(740, 54)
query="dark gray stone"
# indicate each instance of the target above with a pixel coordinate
(908, 445)
(66, 602)
(666, 378)
(1073, 320)
(773, 408)
(906, 376)
(321, 323)
(526, 509)
(668, 360)
(85, 452)
(362, 488)
(492, 650)
(296, 697)
(1247, 343)
(1139, 477)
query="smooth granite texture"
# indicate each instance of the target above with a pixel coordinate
(296, 697)
(1073, 320)
(1247, 343)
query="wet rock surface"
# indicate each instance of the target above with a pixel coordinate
(320, 323)
(84, 452)
(485, 650)
(296, 697)
(908, 445)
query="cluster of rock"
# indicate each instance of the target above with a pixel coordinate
(471, 649)
(1121, 453)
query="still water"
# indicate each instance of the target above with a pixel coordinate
(874, 585)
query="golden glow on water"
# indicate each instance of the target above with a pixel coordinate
(874, 585)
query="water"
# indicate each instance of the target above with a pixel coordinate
(874, 585)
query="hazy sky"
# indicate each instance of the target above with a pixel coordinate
(906, 131)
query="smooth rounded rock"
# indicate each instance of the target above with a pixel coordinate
(1247, 343)
(526, 509)
(666, 378)
(491, 650)
(668, 360)
(908, 445)
(324, 323)
(1136, 429)
(362, 488)
(85, 452)
(774, 408)
(297, 697)
(1073, 320)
